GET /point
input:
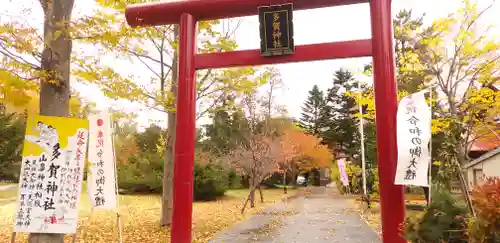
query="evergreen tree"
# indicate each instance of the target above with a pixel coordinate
(11, 140)
(218, 133)
(229, 126)
(313, 112)
(342, 125)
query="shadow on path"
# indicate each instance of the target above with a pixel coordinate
(320, 216)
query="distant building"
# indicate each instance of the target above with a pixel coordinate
(487, 165)
(485, 155)
(484, 144)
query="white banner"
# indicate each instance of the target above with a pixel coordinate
(101, 179)
(343, 174)
(51, 175)
(413, 134)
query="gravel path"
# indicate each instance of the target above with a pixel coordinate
(321, 216)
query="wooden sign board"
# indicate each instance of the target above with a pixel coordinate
(276, 30)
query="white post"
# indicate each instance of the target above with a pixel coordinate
(362, 134)
(430, 151)
(118, 219)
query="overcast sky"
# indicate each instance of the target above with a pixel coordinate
(311, 26)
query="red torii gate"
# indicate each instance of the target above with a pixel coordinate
(186, 13)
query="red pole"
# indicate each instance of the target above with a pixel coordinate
(185, 130)
(386, 102)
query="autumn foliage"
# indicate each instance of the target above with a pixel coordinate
(304, 150)
(486, 200)
(290, 149)
(287, 150)
(126, 148)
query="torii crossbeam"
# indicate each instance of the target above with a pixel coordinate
(187, 12)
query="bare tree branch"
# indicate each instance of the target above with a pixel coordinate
(216, 101)
(18, 76)
(17, 58)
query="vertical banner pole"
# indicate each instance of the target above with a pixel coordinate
(118, 219)
(386, 103)
(13, 237)
(186, 125)
(430, 151)
(362, 134)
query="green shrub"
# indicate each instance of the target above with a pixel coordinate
(142, 174)
(11, 172)
(12, 129)
(273, 180)
(443, 221)
(355, 174)
(375, 181)
(210, 182)
(234, 180)
(355, 178)
(335, 175)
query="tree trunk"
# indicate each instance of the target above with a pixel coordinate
(55, 82)
(294, 174)
(426, 193)
(465, 189)
(245, 204)
(284, 183)
(261, 195)
(252, 198)
(459, 161)
(168, 168)
(168, 174)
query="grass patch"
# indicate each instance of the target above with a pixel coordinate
(8, 195)
(140, 218)
(284, 186)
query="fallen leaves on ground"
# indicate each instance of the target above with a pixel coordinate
(140, 218)
(373, 216)
(8, 192)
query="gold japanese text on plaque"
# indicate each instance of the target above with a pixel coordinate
(276, 30)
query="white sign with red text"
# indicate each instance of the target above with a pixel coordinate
(101, 180)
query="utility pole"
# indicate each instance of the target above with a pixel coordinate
(362, 134)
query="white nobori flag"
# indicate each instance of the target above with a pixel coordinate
(101, 179)
(413, 134)
(343, 174)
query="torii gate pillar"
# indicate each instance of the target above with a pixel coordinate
(187, 12)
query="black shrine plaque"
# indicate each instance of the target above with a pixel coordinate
(276, 30)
